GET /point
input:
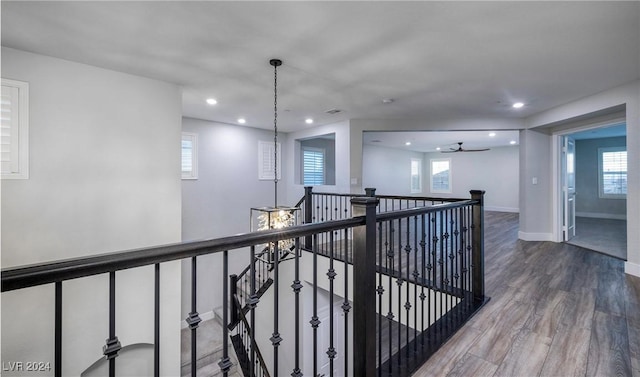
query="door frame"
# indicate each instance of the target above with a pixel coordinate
(556, 172)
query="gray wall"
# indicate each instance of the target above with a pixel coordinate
(535, 162)
(104, 177)
(217, 203)
(329, 146)
(588, 201)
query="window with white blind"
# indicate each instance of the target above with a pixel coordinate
(612, 172)
(189, 155)
(14, 129)
(440, 176)
(266, 160)
(313, 166)
(416, 175)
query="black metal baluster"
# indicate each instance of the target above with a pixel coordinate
(252, 303)
(275, 338)
(110, 350)
(416, 275)
(399, 283)
(156, 329)
(296, 286)
(380, 292)
(441, 257)
(391, 268)
(315, 321)
(346, 306)
(194, 319)
(58, 330)
(423, 243)
(407, 304)
(331, 274)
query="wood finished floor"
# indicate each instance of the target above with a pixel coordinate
(555, 310)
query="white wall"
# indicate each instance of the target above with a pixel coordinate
(495, 171)
(388, 170)
(629, 96)
(358, 126)
(218, 203)
(104, 177)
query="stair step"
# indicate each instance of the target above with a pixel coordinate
(209, 350)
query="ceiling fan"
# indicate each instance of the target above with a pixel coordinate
(460, 149)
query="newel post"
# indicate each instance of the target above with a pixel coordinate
(477, 258)
(364, 287)
(308, 213)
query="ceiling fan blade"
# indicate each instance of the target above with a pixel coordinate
(451, 151)
(476, 150)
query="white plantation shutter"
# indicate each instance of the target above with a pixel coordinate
(14, 129)
(416, 176)
(189, 155)
(266, 160)
(613, 172)
(313, 166)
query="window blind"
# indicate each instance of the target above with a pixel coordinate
(313, 166)
(9, 130)
(614, 173)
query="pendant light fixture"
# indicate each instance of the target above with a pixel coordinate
(276, 217)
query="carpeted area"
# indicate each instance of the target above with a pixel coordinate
(606, 236)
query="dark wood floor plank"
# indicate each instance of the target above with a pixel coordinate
(609, 347)
(471, 365)
(526, 356)
(568, 354)
(555, 310)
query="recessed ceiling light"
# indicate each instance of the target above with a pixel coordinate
(211, 101)
(242, 120)
(492, 134)
(407, 143)
(512, 142)
(438, 148)
(518, 105)
(388, 100)
(308, 121)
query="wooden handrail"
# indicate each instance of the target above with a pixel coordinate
(61, 270)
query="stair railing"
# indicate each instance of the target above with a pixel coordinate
(451, 257)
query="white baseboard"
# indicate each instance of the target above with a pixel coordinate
(632, 269)
(204, 317)
(502, 209)
(597, 215)
(525, 236)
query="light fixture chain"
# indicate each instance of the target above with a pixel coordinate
(275, 129)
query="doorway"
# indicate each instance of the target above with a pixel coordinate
(593, 189)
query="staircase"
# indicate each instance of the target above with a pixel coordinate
(209, 350)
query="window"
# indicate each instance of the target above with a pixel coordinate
(266, 161)
(441, 175)
(313, 166)
(416, 175)
(14, 129)
(315, 162)
(612, 172)
(189, 156)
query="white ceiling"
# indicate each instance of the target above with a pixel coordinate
(435, 59)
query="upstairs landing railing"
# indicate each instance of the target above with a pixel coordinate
(434, 282)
